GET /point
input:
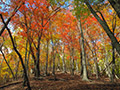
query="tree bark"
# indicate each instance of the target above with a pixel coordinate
(72, 61)
(47, 51)
(16, 70)
(8, 65)
(58, 64)
(77, 66)
(63, 59)
(53, 57)
(37, 65)
(85, 73)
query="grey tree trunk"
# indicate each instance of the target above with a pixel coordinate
(47, 51)
(58, 64)
(108, 71)
(113, 64)
(77, 67)
(96, 66)
(81, 66)
(53, 57)
(63, 59)
(85, 73)
(72, 61)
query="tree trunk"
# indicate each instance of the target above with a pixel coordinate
(26, 51)
(16, 70)
(96, 66)
(58, 64)
(72, 61)
(63, 59)
(8, 65)
(84, 75)
(107, 66)
(113, 64)
(37, 65)
(53, 57)
(81, 66)
(46, 66)
(28, 71)
(77, 67)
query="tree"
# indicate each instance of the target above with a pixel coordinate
(26, 77)
(105, 26)
(10, 17)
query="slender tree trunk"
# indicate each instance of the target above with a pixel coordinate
(96, 66)
(58, 64)
(63, 59)
(77, 66)
(81, 66)
(37, 65)
(16, 70)
(47, 51)
(85, 73)
(72, 61)
(8, 65)
(53, 57)
(54, 65)
(28, 63)
(113, 64)
(26, 51)
(108, 71)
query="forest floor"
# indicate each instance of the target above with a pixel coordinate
(64, 82)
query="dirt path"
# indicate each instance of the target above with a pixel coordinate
(65, 82)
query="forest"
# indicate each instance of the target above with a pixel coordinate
(59, 44)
